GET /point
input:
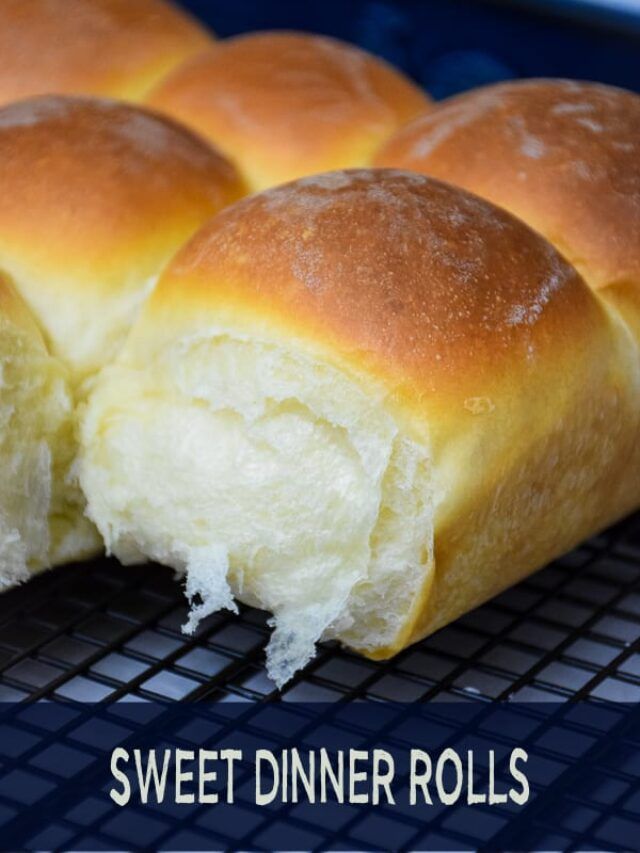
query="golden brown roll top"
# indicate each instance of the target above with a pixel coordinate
(444, 291)
(425, 400)
(96, 197)
(564, 156)
(282, 105)
(115, 48)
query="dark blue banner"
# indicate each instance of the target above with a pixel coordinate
(364, 776)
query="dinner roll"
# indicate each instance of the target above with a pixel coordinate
(96, 197)
(365, 401)
(41, 521)
(115, 48)
(283, 104)
(564, 156)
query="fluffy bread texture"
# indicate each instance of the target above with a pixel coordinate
(282, 105)
(41, 507)
(562, 155)
(110, 48)
(365, 401)
(96, 198)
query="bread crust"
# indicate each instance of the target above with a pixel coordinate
(562, 155)
(97, 195)
(282, 104)
(98, 176)
(115, 48)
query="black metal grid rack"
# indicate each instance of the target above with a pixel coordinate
(100, 631)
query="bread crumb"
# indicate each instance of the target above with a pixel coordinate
(479, 405)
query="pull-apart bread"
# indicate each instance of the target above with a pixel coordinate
(365, 401)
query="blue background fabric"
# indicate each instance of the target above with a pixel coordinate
(452, 45)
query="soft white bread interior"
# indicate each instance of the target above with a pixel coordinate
(41, 517)
(281, 105)
(365, 401)
(96, 198)
(113, 48)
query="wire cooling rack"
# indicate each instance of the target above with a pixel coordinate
(101, 631)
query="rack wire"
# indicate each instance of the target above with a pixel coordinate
(100, 631)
